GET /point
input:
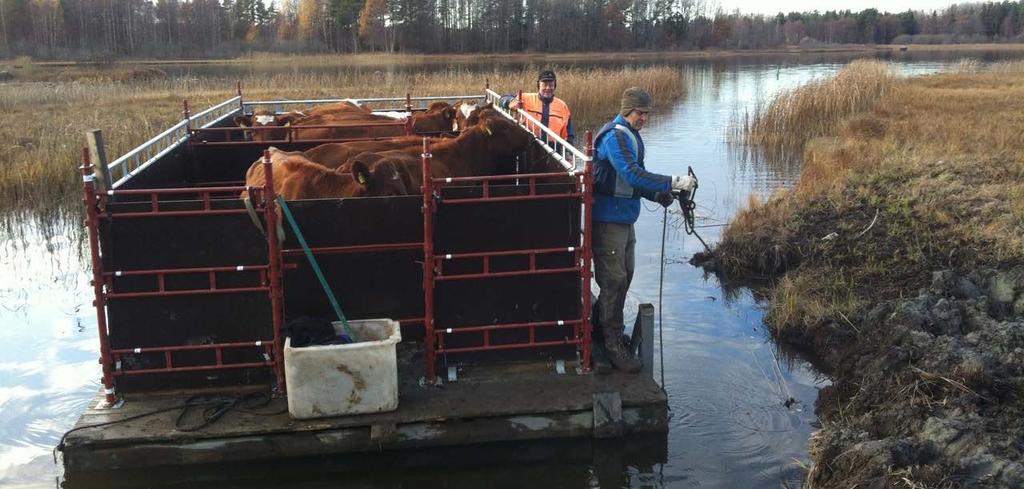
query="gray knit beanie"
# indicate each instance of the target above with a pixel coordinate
(635, 98)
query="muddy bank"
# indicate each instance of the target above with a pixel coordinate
(929, 389)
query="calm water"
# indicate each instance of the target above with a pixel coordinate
(725, 379)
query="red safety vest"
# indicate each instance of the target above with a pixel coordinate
(558, 113)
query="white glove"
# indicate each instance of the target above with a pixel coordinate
(683, 182)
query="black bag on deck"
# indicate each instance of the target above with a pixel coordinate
(309, 331)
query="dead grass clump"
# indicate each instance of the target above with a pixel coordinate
(815, 109)
(757, 239)
(863, 126)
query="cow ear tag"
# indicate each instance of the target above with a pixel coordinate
(362, 179)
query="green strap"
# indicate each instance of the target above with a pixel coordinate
(316, 267)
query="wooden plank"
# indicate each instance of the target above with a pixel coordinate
(607, 415)
(98, 155)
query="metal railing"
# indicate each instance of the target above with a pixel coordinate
(571, 158)
(145, 154)
(406, 102)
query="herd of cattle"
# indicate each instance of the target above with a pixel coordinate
(487, 143)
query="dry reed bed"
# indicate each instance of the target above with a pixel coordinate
(812, 110)
(44, 121)
(938, 158)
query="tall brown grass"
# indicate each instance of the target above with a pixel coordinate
(904, 177)
(814, 109)
(43, 124)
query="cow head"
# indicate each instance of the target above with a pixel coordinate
(379, 176)
(438, 118)
(485, 111)
(265, 118)
(464, 109)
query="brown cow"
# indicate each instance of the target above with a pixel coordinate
(297, 177)
(484, 149)
(347, 105)
(333, 155)
(353, 125)
(439, 118)
(267, 118)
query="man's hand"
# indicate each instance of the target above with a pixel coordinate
(513, 104)
(683, 182)
(664, 198)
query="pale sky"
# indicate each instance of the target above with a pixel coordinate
(776, 6)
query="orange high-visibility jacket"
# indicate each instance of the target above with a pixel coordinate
(558, 113)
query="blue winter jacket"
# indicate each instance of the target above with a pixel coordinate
(620, 178)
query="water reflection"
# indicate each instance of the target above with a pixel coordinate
(631, 462)
(727, 384)
(48, 371)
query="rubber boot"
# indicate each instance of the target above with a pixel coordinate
(618, 354)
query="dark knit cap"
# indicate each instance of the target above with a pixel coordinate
(546, 75)
(635, 98)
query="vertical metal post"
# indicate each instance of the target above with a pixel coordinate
(588, 253)
(92, 223)
(274, 263)
(98, 155)
(428, 263)
(188, 117)
(487, 86)
(241, 105)
(408, 103)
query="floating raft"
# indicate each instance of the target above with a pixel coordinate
(513, 402)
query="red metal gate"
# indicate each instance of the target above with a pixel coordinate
(103, 281)
(434, 262)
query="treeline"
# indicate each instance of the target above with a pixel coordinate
(70, 29)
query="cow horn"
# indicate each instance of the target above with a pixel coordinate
(488, 129)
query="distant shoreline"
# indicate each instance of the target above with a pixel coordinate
(401, 58)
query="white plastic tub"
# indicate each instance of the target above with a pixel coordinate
(335, 380)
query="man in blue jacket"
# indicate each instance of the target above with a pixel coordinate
(620, 179)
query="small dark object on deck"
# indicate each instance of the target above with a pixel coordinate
(790, 402)
(310, 331)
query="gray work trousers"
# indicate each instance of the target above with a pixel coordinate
(613, 245)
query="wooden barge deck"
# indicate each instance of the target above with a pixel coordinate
(512, 402)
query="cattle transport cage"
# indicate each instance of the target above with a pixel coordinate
(190, 293)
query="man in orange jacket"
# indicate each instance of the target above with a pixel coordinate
(551, 111)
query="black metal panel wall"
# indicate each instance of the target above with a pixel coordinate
(151, 243)
(367, 285)
(501, 226)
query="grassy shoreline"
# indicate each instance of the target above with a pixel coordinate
(388, 59)
(898, 259)
(465, 58)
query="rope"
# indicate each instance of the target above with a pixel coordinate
(216, 407)
(661, 288)
(687, 206)
(316, 267)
